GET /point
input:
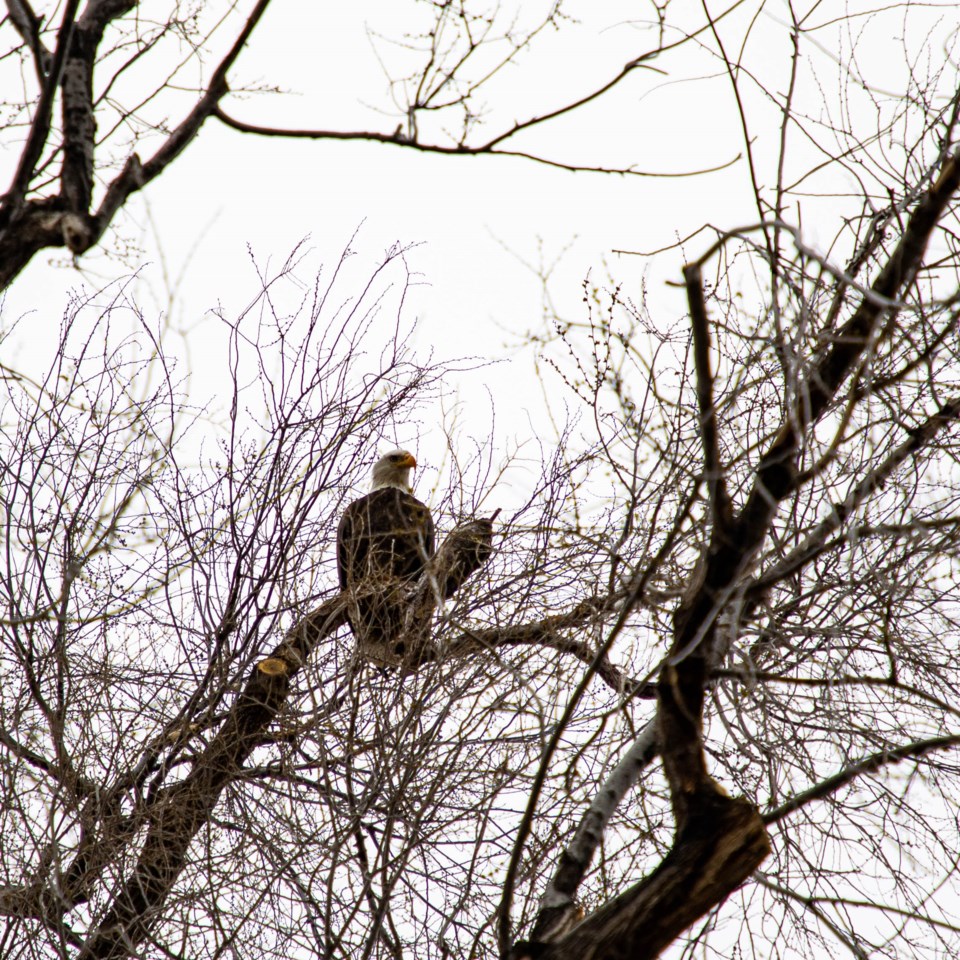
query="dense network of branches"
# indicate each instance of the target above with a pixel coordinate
(702, 694)
(112, 92)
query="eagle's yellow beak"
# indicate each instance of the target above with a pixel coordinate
(408, 461)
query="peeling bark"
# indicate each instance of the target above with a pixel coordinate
(720, 845)
(557, 899)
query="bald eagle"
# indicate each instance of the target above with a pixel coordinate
(384, 541)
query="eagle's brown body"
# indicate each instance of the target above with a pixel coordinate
(384, 541)
(388, 534)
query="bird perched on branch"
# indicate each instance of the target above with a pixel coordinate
(384, 542)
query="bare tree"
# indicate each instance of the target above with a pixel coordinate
(103, 79)
(754, 522)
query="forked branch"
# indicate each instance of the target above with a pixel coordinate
(181, 810)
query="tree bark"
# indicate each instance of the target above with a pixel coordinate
(180, 811)
(719, 846)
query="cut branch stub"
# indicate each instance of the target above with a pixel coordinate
(462, 554)
(181, 811)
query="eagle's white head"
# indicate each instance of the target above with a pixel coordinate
(393, 470)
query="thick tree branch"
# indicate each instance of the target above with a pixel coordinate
(488, 638)
(181, 810)
(556, 905)
(720, 841)
(712, 466)
(777, 470)
(135, 174)
(26, 227)
(79, 125)
(712, 829)
(634, 593)
(716, 850)
(11, 205)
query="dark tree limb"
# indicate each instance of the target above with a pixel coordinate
(712, 466)
(79, 125)
(181, 810)
(606, 670)
(465, 550)
(537, 631)
(493, 146)
(776, 473)
(716, 850)
(719, 841)
(11, 204)
(777, 470)
(67, 218)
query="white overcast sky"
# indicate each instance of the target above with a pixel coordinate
(476, 219)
